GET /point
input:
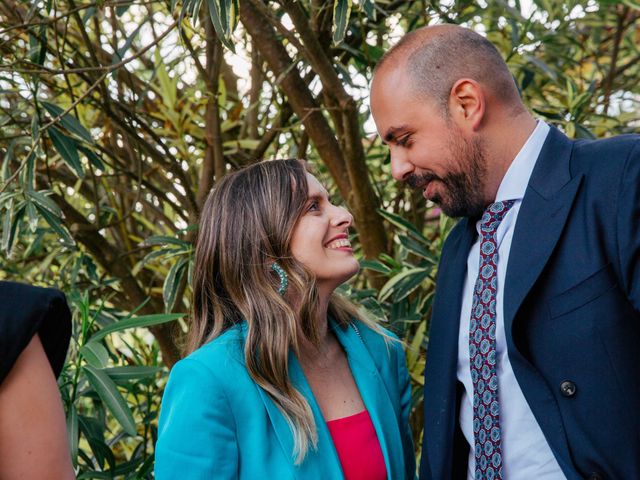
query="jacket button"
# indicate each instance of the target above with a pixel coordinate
(596, 476)
(568, 389)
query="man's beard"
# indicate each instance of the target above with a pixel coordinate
(464, 188)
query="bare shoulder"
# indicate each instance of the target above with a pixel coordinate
(33, 439)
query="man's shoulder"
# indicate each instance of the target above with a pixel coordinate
(605, 152)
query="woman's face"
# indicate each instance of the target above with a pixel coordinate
(320, 239)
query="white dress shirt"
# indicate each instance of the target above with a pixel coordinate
(525, 452)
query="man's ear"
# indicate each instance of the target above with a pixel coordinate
(467, 104)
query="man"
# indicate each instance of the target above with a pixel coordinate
(533, 366)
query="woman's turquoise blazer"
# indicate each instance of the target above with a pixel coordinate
(217, 423)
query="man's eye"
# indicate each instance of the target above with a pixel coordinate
(402, 141)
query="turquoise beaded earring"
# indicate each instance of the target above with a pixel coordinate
(284, 280)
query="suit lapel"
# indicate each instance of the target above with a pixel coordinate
(442, 357)
(544, 211)
(543, 214)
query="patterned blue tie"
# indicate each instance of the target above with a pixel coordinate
(482, 349)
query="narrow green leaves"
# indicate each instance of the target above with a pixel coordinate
(401, 285)
(109, 394)
(369, 8)
(73, 433)
(172, 282)
(40, 199)
(223, 14)
(133, 372)
(401, 223)
(55, 223)
(68, 121)
(95, 354)
(341, 14)
(136, 322)
(68, 150)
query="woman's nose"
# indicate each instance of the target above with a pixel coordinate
(342, 217)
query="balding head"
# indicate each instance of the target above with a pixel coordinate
(436, 57)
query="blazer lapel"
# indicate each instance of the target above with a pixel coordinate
(375, 397)
(318, 464)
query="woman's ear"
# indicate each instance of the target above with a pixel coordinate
(467, 104)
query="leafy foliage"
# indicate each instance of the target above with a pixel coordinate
(117, 117)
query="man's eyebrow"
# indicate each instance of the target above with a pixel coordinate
(392, 132)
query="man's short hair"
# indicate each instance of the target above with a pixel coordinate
(435, 60)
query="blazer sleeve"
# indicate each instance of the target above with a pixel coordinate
(196, 432)
(628, 226)
(405, 410)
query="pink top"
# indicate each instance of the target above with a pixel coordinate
(358, 448)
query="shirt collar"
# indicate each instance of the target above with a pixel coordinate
(514, 184)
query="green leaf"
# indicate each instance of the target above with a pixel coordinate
(402, 224)
(68, 121)
(164, 239)
(403, 283)
(32, 215)
(408, 285)
(376, 266)
(38, 45)
(136, 322)
(413, 352)
(134, 372)
(28, 172)
(172, 282)
(73, 433)
(341, 14)
(109, 394)
(223, 17)
(389, 260)
(68, 150)
(40, 199)
(235, 145)
(121, 9)
(121, 52)
(369, 7)
(55, 224)
(542, 66)
(6, 226)
(168, 85)
(95, 354)
(8, 156)
(632, 3)
(417, 249)
(95, 160)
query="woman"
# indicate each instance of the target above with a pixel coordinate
(284, 379)
(35, 327)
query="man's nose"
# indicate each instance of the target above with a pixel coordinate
(401, 167)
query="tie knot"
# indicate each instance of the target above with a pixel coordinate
(494, 214)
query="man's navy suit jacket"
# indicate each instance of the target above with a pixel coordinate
(572, 314)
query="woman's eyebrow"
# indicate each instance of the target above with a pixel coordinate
(318, 195)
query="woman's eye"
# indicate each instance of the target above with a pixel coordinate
(313, 206)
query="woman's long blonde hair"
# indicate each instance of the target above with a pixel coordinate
(246, 224)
